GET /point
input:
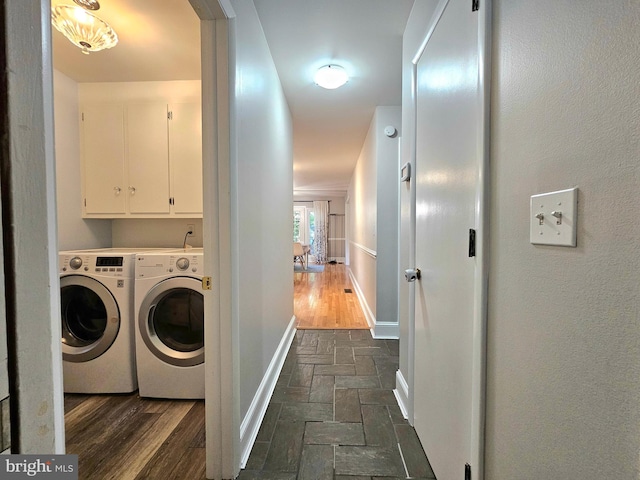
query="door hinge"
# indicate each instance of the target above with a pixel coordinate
(85, 202)
(475, 5)
(206, 283)
(472, 242)
(171, 201)
(83, 116)
(170, 115)
(467, 472)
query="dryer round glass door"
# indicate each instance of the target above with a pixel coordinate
(90, 318)
(171, 321)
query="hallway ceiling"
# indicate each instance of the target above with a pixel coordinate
(159, 40)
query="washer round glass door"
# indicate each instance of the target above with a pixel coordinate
(90, 318)
(171, 321)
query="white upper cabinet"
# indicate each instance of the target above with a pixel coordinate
(185, 152)
(148, 158)
(104, 159)
(142, 160)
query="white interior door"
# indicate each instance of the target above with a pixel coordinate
(449, 95)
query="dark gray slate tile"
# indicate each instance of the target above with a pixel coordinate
(371, 351)
(289, 363)
(396, 415)
(355, 343)
(326, 334)
(309, 412)
(268, 423)
(335, 370)
(316, 463)
(357, 381)
(378, 428)
(351, 477)
(369, 461)
(333, 433)
(325, 346)
(322, 389)
(393, 346)
(360, 335)
(283, 379)
(387, 360)
(290, 394)
(286, 447)
(344, 355)
(387, 374)
(257, 456)
(301, 376)
(414, 456)
(377, 396)
(347, 406)
(277, 476)
(306, 350)
(309, 338)
(315, 359)
(365, 366)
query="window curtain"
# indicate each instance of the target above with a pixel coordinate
(320, 243)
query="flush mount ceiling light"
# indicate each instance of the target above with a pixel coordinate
(331, 76)
(83, 29)
(88, 4)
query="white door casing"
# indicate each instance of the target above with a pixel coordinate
(450, 93)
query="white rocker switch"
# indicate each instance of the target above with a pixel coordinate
(553, 218)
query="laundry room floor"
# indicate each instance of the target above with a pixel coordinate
(127, 437)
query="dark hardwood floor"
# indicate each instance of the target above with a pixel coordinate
(120, 437)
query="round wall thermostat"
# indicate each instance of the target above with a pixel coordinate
(390, 131)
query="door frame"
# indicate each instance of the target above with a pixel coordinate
(480, 301)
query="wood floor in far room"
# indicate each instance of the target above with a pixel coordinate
(125, 437)
(321, 302)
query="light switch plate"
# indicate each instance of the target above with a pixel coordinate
(553, 218)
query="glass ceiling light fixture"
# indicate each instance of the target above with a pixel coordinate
(88, 4)
(331, 77)
(82, 28)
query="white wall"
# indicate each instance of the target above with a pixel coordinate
(155, 232)
(362, 224)
(563, 392)
(263, 195)
(387, 270)
(372, 225)
(73, 231)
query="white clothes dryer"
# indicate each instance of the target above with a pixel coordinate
(169, 333)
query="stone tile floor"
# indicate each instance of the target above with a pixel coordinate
(333, 414)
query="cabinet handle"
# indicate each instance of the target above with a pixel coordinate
(117, 190)
(132, 190)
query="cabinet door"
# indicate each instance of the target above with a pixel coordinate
(185, 157)
(103, 158)
(148, 159)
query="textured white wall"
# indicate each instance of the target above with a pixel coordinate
(73, 231)
(264, 199)
(563, 335)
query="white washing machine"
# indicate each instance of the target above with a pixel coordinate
(170, 324)
(96, 293)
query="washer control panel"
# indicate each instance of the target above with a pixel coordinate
(107, 265)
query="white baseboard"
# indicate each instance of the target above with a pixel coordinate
(383, 330)
(401, 393)
(368, 314)
(379, 330)
(253, 419)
